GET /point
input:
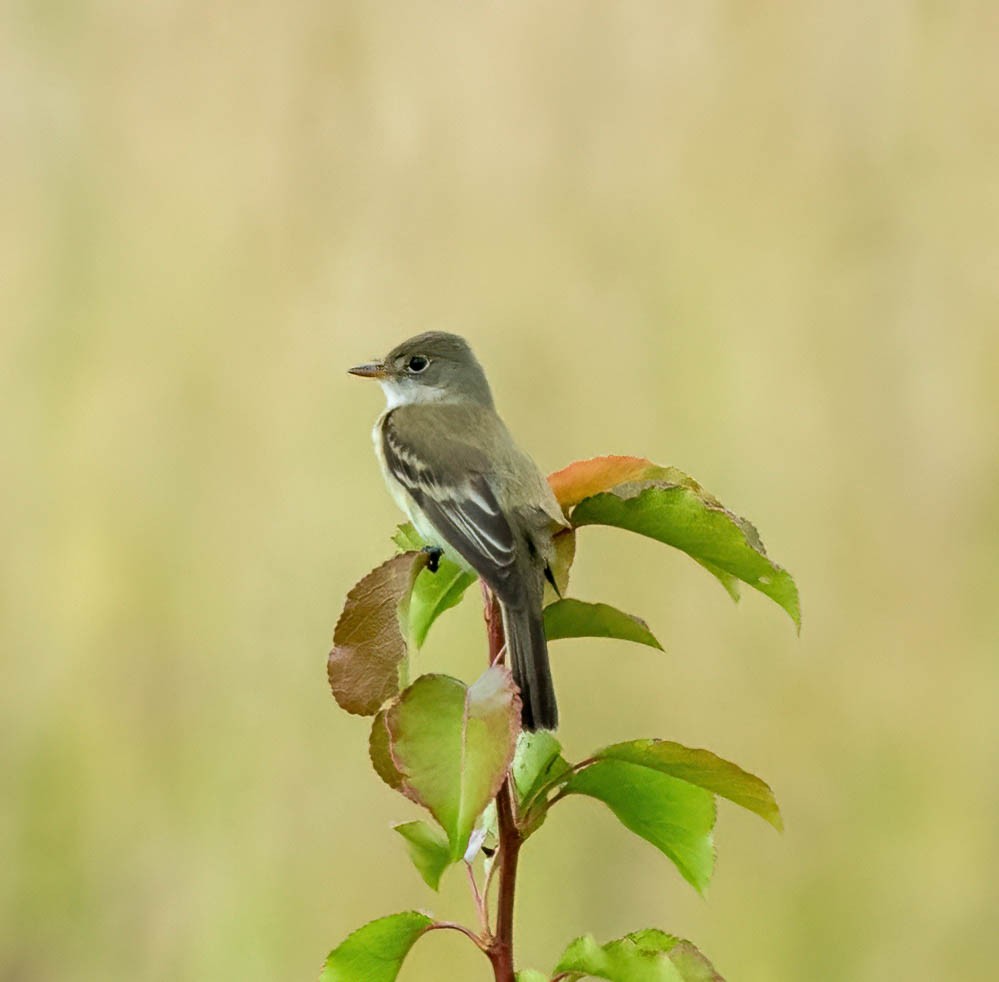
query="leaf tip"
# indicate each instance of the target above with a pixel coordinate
(776, 819)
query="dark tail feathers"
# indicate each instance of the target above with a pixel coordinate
(527, 652)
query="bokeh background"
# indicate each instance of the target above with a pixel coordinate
(759, 242)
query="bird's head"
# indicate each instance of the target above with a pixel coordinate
(431, 367)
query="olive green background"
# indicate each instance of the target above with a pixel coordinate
(758, 242)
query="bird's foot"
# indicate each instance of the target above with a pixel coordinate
(434, 554)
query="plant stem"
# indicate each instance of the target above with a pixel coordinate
(479, 943)
(479, 898)
(500, 950)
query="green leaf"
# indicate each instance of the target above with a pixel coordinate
(703, 768)
(617, 961)
(531, 975)
(452, 746)
(433, 593)
(669, 506)
(535, 762)
(375, 952)
(692, 965)
(645, 956)
(538, 762)
(675, 816)
(429, 850)
(577, 619)
(408, 539)
(368, 660)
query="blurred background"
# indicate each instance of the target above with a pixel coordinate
(760, 244)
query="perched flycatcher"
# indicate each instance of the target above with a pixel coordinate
(470, 491)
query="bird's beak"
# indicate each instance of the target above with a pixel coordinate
(375, 369)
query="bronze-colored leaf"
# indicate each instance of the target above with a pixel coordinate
(371, 640)
(380, 752)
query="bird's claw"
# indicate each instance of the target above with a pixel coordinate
(434, 554)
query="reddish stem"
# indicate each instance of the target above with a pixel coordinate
(500, 948)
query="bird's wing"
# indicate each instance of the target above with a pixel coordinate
(456, 496)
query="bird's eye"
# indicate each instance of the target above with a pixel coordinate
(418, 363)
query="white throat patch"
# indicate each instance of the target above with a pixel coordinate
(410, 393)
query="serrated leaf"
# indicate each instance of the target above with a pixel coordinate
(689, 961)
(638, 956)
(375, 952)
(381, 757)
(452, 745)
(433, 593)
(673, 508)
(573, 618)
(370, 640)
(692, 964)
(673, 815)
(617, 961)
(429, 850)
(703, 768)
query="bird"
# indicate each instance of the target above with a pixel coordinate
(453, 468)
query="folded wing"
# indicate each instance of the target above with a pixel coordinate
(455, 495)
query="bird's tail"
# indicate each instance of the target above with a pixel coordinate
(527, 652)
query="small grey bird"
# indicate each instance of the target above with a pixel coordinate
(452, 466)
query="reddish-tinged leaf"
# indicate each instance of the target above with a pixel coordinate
(378, 751)
(452, 745)
(370, 643)
(588, 477)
